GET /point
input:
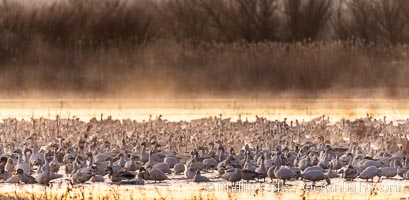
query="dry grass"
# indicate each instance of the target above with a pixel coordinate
(139, 47)
(167, 67)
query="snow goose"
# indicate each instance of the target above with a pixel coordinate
(232, 174)
(315, 175)
(178, 168)
(117, 176)
(261, 171)
(157, 175)
(369, 173)
(22, 165)
(27, 179)
(199, 178)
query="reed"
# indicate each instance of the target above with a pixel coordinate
(138, 47)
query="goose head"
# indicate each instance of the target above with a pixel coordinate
(3, 160)
(26, 150)
(142, 169)
(202, 148)
(18, 151)
(232, 151)
(211, 144)
(220, 148)
(246, 147)
(20, 171)
(143, 144)
(89, 155)
(198, 172)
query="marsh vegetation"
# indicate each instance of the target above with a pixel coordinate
(140, 48)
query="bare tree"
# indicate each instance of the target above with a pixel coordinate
(405, 7)
(187, 20)
(355, 18)
(217, 11)
(306, 19)
(250, 20)
(390, 20)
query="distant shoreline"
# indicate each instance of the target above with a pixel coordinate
(193, 109)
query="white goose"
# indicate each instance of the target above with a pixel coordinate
(21, 164)
(54, 164)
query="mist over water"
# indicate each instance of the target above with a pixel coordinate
(191, 109)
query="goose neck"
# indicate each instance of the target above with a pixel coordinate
(91, 160)
(19, 157)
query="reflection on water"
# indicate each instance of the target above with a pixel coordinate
(182, 189)
(186, 109)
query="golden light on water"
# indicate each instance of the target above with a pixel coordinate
(390, 189)
(187, 109)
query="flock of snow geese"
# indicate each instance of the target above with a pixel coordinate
(37, 151)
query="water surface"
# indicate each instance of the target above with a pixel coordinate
(188, 109)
